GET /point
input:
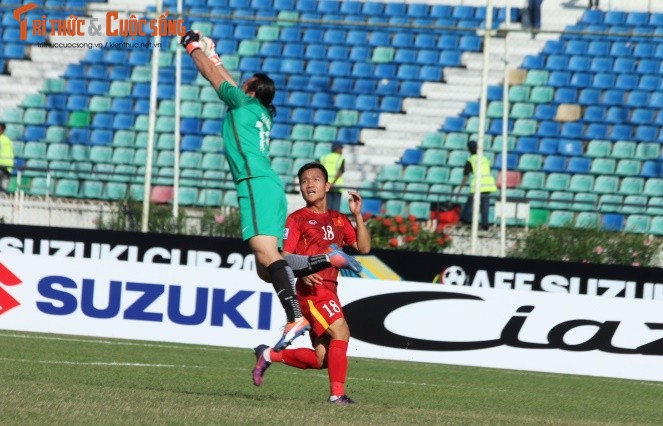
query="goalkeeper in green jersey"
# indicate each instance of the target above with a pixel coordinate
(260, 191)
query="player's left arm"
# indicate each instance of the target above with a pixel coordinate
(363, 243)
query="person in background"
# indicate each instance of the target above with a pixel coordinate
(534, 13)
(260, 191)
(593, 4)
(6, 158)
(335, 165)
(310, 229)
(487, 186)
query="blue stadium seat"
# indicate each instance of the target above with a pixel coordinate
(559, 79)
(581, 80)
(578, 165)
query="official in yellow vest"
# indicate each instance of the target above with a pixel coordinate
(335, 165)
(6, 158)
(487, 186)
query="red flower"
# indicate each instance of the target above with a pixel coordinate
(387, 222)
(392, 228)
(409, 239)
(398, 219)
(393, 242)
(412, 218)
(440, 241)
(402, 229)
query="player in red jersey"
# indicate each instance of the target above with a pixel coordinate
(314, 229)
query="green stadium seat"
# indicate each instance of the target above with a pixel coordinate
(100, 103)
(631, 185)
(187, 195)
(101, 154)
(532, 180)
(647, 151)
(530, 162)
(560, 200)
(581, 183)
(628, 167)
(390, 172)
(279, 148)
(324, 133)
(434, 157)
(603, 166)
(521, 110)
(165, 124)
(166, 108)
(268, 33)
(542, 95)
(193, 109)
(212, 144)
(623, 149)
(392, 190)
(209, 197)
(416, 191)
(433, 140)
(538, 217)
(282, 165)
(35, 116)
(560, 218)
(496, 146)
(79, 119)
(57, 151)
(346, 118)
(120, 89)
(208, 94)
(456, 176)
(458, 158)
(54, 85)
(191, 160)
(212, 110)
(12, 115)
(637, 223)
(383, 54)
(122, 155)
(414, 173)
(34, 100)
(395, 208)
(248, 48)
(585, 201)
(55, 134)
(41, 186)
(420, 210)
(610, 202)
(455, 140)
(303, 149)
(656, 226)
(519, 94)
(124, 138)
(126, 173)
(165, 158)
(114, 191)
(606, 184)
(213, 161)
(67, 188)
(216, 179)
(34, 150)
(557, 182)
(165, 141)
(230, 199)
(191, 177)
(302, 132)
(634, 204)
(189, 92)
(141, 73)
(599, 148)
(524, 127)
(536, 77)
(591, 220)
(439, 192)
(653, 187)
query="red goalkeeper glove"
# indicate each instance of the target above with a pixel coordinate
(191, 41)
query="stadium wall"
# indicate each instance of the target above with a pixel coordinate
(517, 315)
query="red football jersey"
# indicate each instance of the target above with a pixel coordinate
(309, 233)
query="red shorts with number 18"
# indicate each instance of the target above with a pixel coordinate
(320, 309)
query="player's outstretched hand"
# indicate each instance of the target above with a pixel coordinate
(355, 203)
(191, 41)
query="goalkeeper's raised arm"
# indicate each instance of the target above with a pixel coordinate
(206, 59)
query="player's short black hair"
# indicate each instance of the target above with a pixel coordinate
(2, 126)
(313, 165)
(472, 147)
(264, 90)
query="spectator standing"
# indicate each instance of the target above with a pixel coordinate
(6, 158)
(309, 230)
(487, 186)
(334, 163)
(534, 13)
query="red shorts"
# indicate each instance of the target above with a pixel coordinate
(321, 310)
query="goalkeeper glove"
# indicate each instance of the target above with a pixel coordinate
(208, 46)
(191, 41)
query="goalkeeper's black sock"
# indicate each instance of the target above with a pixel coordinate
(307, 265)
(282, 280)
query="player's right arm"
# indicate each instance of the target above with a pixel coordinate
(208, 63)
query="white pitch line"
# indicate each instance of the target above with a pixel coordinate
(99, 363)
(115, 342)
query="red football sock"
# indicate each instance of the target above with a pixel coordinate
(337, 364)
(301, 358)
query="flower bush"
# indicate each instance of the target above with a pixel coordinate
(588, 246)
(406, 233)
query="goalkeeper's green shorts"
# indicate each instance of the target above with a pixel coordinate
(263, 207)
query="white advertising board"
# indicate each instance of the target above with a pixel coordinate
(536, 331)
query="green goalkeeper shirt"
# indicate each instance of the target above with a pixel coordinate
(246, 134)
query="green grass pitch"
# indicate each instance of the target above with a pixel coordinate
(54, 379)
